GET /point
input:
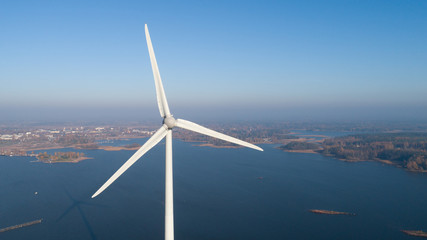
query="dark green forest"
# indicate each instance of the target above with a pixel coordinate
(300, 146)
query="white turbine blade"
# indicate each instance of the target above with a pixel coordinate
(160, 92)
(206, 131)
(156, 138)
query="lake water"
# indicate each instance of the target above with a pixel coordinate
(219, 194)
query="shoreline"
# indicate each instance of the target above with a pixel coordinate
(214, 146)
(388, 162)
(198, 144)
(300, 151)
(117, 148)
(109, 148)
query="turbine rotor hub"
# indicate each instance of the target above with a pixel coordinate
(169, 121)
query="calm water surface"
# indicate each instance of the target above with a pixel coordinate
(219, 194)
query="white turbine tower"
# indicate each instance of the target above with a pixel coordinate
(169, 122)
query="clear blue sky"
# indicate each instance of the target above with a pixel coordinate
(255, 59)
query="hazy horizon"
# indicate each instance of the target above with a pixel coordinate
(215, 114)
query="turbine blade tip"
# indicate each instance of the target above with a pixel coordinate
(258, 148)
(95, 194)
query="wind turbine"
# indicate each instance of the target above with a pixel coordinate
(169, 122)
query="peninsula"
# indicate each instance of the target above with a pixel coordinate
(405, 149)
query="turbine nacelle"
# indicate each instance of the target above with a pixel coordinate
(169, 121)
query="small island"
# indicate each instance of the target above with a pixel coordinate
(73, 157)
(330, 212)
(302, 147)
(21, 225)
(416, 233)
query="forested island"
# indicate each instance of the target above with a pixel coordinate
(307, 147)
(61, 157)
(407, 150)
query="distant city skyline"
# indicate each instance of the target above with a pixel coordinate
(275, 59)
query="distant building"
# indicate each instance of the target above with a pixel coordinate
(6, 137)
